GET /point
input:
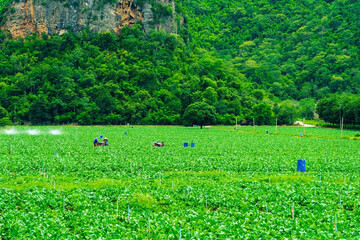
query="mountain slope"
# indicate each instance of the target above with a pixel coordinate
(296, 48)
(262, 59)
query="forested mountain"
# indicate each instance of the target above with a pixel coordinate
(296, 48)
(257, 59)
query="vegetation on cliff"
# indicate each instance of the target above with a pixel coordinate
(3, 9)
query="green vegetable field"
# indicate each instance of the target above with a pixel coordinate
(234, 184)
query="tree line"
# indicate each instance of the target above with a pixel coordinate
(336, 109)
(103, 78)
(251, 59)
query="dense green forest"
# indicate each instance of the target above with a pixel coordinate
(261, 59)
(296, 49)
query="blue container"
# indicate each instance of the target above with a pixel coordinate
(125, 133)
(193, 145)
(132, 127)
(301, 165)
(186, 144)
(267, 131)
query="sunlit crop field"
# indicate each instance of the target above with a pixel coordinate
(233, 184)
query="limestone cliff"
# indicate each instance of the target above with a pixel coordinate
(25, 17)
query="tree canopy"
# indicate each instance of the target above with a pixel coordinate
(251, 59)
(199, 113)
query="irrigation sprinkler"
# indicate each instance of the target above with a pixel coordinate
(117, 207)
(342, 127)
(149, 228)
(267, 212)
(340, 201)
(354, 205)
(293, 212)
(304, 126)
(128, 211)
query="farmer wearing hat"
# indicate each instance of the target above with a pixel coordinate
(106, 142)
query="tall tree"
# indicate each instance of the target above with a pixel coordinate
(200, 113)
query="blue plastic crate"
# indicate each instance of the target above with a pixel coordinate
(301, 165)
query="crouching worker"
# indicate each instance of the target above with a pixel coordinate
(96, 142)
(106, 142)
(157, 144)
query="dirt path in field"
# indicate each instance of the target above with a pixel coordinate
(298, 123)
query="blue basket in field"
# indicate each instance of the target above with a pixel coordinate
(301, 165)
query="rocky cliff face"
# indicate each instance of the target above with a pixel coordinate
(58, 16)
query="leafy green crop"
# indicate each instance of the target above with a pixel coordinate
(233, 184)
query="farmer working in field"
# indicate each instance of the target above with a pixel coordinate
(102, 143)
(157, 144)
(96, 142)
